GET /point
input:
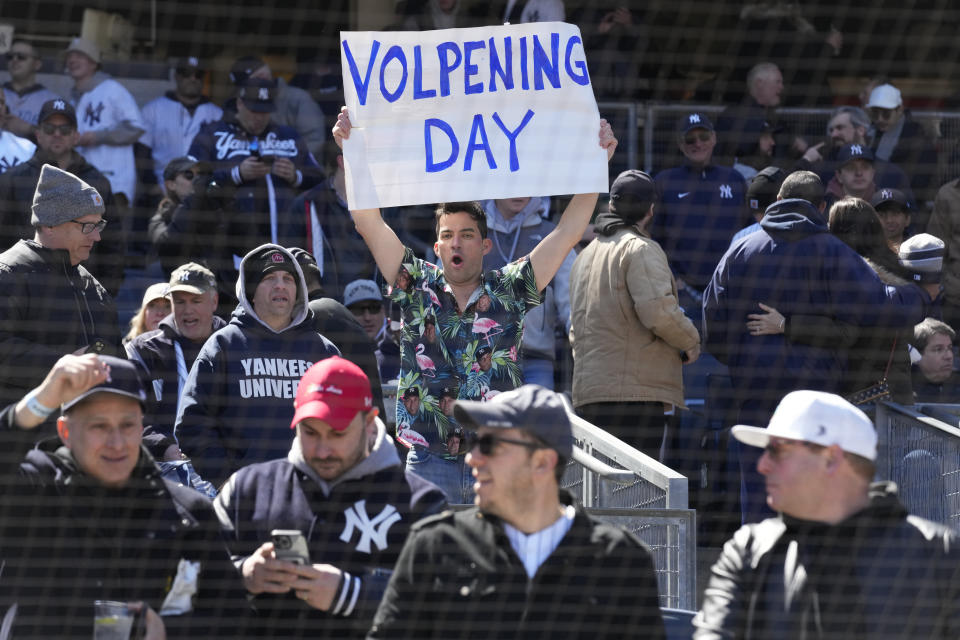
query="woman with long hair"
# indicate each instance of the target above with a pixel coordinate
(873, 353)
(154, 308)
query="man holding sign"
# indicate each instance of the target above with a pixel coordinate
(478, 316)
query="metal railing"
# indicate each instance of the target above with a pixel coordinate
(922, 455)
(621, 485)
(660, 143)
(670, 534)
(622, 116)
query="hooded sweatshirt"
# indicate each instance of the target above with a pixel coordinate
(357, 522)
(516, 238)
(238, 399)
(798, 267)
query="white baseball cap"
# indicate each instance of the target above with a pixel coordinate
(817, 417)
(885, 96)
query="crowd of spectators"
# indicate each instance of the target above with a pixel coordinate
(757, 252)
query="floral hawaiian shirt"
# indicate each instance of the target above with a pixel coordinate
(444, 353)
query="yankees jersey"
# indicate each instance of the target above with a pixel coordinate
(14, 150)
(357, 522)
(171, 127)
(26, 105)
(105, 107)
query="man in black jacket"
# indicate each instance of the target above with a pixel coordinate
(49, 303)
(843, 559)
(56, 134)
(334, 321)
(168, 353)
(342, 487)
(525, 562)
(86, 516)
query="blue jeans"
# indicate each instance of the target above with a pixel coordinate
(452, 476)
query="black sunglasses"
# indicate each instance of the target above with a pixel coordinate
(370, 307)
(188, 174)
(16, 55)
(88, 227)
(488, 442)
(190, 73)
(63, 129)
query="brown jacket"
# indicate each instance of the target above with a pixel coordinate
(626, 328)
(945, 224)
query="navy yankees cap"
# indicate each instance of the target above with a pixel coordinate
(851, 152)
(692, 121)
(57, 107)
(123, 380)
(885, 197)
(258, 95)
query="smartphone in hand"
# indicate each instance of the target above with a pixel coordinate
(290, 545)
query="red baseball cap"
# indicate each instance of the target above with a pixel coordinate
(333, 390)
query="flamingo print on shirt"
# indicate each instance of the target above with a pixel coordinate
(440, 343)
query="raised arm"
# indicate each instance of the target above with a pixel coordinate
(547, 256)
(383, 243)
(69, 377)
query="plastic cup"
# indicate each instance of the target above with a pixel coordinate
(111, 620)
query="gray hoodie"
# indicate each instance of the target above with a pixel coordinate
(515, 238)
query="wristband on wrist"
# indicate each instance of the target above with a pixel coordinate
(38, 409)
(783, 320)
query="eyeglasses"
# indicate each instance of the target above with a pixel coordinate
(188, 174)
(190, 73)
(62, 129)
(89, 227)
(703, 136)
(16, 55)
(488, 442)
(372, 308)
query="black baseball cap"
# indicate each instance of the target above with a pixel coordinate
(258, 95)
(849, 152)
(57, 107)
(241, 69)
(531, 407)
(883, 198)
(187, 62)
(764, 188)
(631, 194)
(695, 120)
(123, 380)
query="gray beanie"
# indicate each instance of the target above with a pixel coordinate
(61, 197)
(923, 255)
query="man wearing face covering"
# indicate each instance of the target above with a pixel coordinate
(626, 324)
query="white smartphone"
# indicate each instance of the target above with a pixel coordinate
(290, 545)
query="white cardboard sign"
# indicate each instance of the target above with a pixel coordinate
(469, 114)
